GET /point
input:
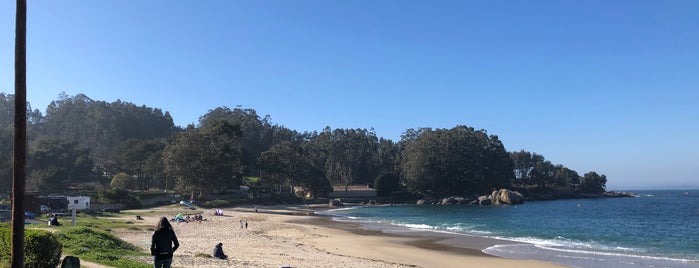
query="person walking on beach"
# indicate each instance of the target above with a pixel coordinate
(241, 224)
(163, 244)
(246, 225)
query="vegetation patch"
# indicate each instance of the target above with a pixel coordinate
(217, 203)
(202, 255)
(99, 246)
(41, 247)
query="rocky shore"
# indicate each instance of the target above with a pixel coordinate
(518, 195)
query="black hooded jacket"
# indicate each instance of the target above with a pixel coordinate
(162, 243)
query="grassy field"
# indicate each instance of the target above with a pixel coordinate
(92, 239)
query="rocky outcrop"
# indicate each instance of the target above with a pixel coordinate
(335, 203)
(498, 197)
(516, 196)
(453, 200)
(613, 194)
(551, 193)
(484, 200)
(505, 196)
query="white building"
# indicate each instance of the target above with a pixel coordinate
(79, 202)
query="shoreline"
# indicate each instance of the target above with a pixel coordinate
(295, 236)
(445, 249)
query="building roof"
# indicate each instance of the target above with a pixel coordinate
(341, 188)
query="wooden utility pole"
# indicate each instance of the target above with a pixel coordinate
(20, 148)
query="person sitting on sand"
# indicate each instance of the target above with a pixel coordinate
(218, 252)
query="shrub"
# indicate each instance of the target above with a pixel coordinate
(41, 248)
(123, 180)
(202, 255)
(118, 195)
(217, 203)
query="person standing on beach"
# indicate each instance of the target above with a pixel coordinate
(241, 224)
(163, 244)
(246, 225)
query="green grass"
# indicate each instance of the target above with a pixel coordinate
(91, 239)
(101, 220)
(251, 179)
(99, 246)
(217, 203)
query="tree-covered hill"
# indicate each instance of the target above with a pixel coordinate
(82, 143)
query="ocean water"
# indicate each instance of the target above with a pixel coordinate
(654, 229)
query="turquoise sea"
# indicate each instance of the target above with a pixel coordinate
(654, 229)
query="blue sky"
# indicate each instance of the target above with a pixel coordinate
(610, 86)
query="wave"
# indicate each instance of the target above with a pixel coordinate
(562, 242)
(580, 254)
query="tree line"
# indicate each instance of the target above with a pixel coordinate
(82, 144)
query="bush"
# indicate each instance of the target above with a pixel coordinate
(217, 203)
(123, 180)
(41, 248)
(118, 195)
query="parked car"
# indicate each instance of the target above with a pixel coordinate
(29, 215)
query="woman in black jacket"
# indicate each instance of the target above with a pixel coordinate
(163, 244)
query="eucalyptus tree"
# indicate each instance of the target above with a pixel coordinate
(132, 156)
(258, 132)
(205, 159)
(593, 183)
(54, 165)
(6, 145)
(280, 164)
(386, 184)
(386, 157)
(460, 160)
(296, 164)
(101, 126)
(522, 161)
(350, 155)
(565, 177)
(534, 169)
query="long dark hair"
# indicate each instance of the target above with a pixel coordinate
(163, 223)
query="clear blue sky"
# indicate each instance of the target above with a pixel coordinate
(610, 86)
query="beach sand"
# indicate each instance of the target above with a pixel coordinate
(289, 236)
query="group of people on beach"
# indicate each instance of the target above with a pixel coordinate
(196, 218)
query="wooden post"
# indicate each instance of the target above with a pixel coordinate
(20, 145)
(72, 221)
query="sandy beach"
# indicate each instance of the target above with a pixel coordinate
(289, 236)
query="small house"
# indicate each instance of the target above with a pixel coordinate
(78, 202)
(352, 192)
